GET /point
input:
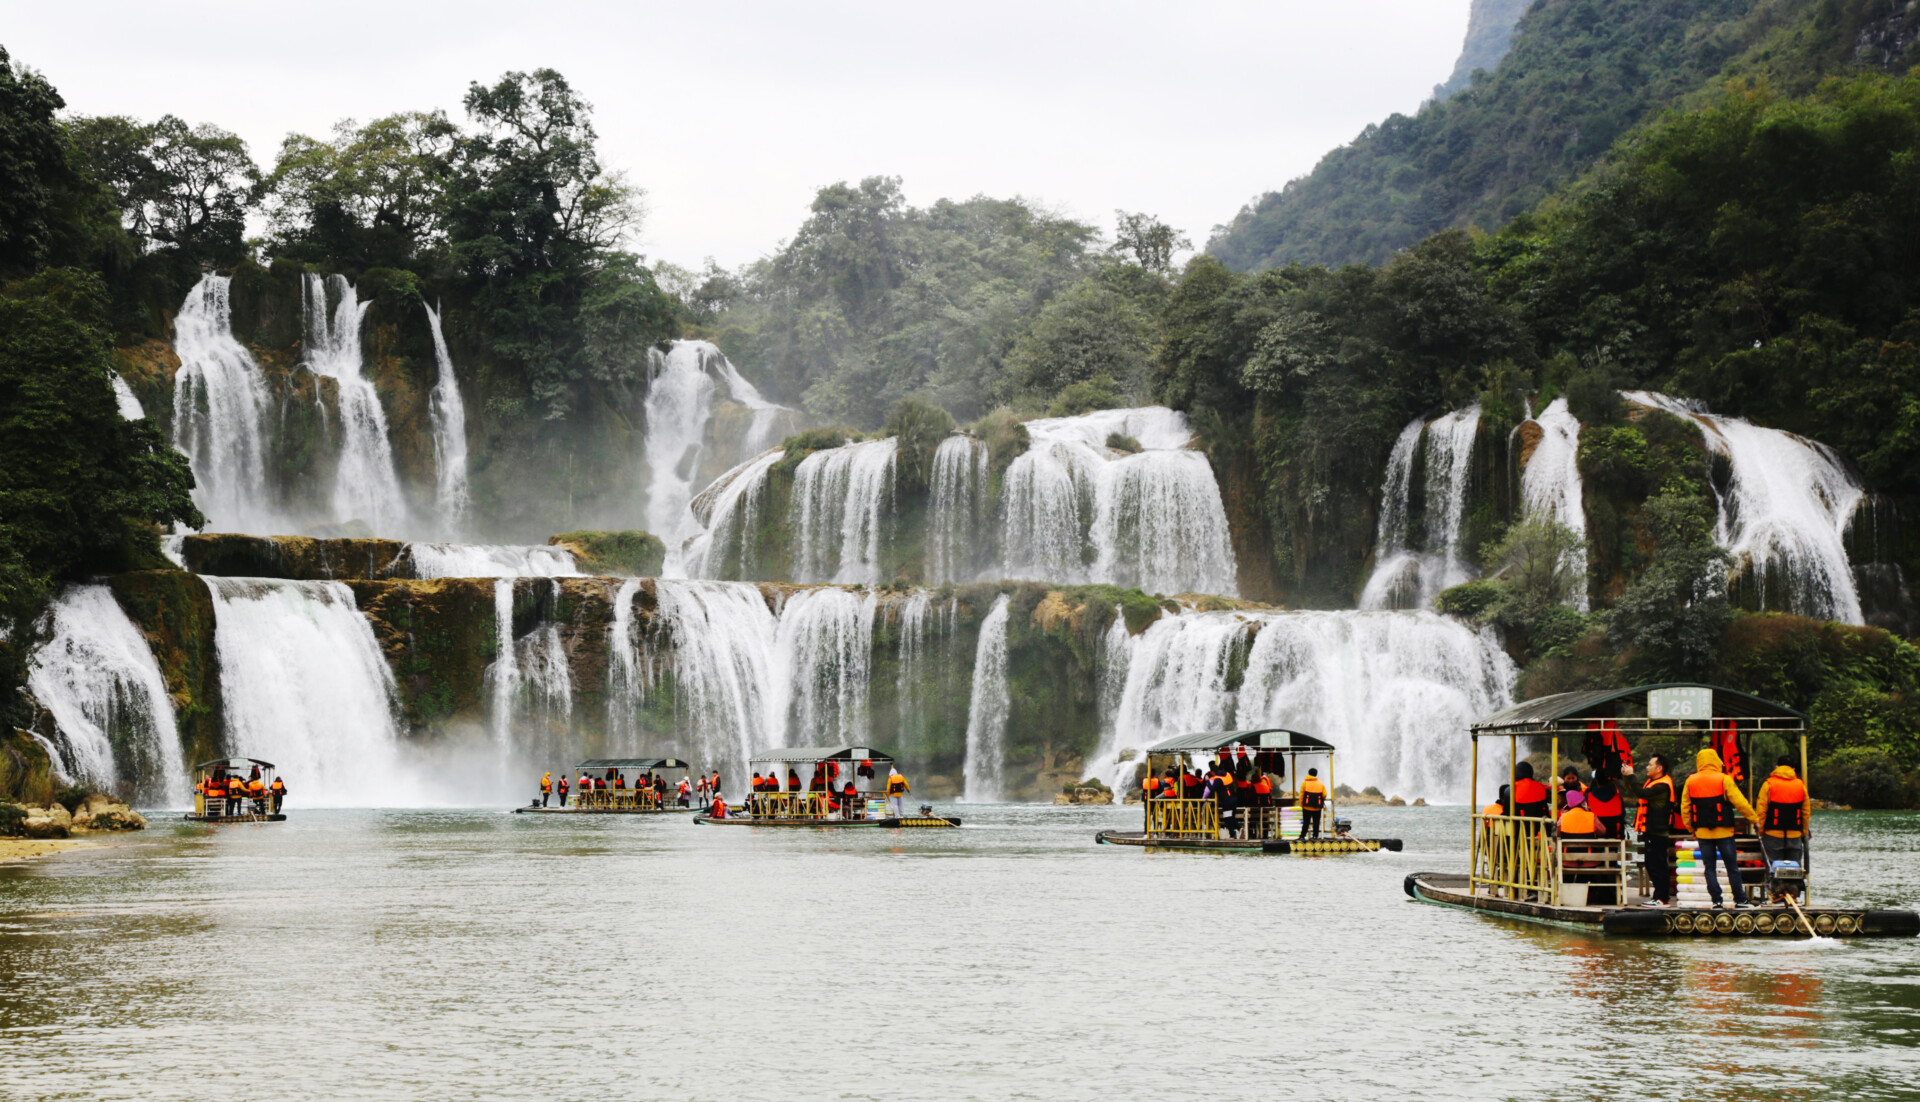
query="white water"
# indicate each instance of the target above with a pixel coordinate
(959, 512)
(541, 708)
(1785, 512)
(128, 403)
(1075, 510)
(1550, 486)
(1393, 691)
(365, 485)
(448, 415)
(825, 645)
(305, 686)
(988, 709)
(730, 511)
(841, 500)
(98, 677)
(1405, 576)
(219, 403)
(475, 560)
(502, 679)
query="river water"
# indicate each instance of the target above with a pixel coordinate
(477, 954)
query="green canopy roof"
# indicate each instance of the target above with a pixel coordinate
(1546, 713)
(820, 753)
(1270, 738)
(234, 763)
(634, 763)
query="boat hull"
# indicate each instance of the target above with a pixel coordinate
(910, 822)
(602, 811)
(1451, 890)
(275, 817)
(1296, 847)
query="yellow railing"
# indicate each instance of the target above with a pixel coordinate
(1184, 818)
(1517, 857)
(629, 799)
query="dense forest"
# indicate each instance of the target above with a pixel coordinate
(1580, 74)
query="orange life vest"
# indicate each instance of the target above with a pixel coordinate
(1530, 798)
(1708, 794)
(1493, 809)
(1578, 822)
(1673, 803)
(1612, 813)
(1313, 794)
(1786, 804)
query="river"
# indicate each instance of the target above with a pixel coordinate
(477, 954)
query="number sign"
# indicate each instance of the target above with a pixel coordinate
(1680, 704)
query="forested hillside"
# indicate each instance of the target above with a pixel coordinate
(1579, 75)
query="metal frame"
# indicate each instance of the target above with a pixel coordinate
(1181, 821)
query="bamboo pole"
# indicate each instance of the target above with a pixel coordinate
(1473, 817)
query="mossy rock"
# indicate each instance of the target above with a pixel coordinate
(26, 771)
(631, 554)
(296, 558)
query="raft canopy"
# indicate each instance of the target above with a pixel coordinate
(232, 763)
(1272, 738)
(634, 763)
(1568, 713)
(785, 754)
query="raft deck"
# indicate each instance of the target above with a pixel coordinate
(536, 810)
(268, 817)
(1452, 890)
(1298, 847)
(890, 823)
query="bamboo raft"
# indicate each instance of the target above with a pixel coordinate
(203, 807)
(623, 800)
(1297, 847)
(596, 810)
(889, 823)
(1453, 890)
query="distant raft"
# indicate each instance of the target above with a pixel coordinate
(822, 800)
(1184, 811)
(625, 786)
(221, 794)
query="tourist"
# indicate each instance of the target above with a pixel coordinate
(1570, 782)
(1224, 797)
(257, 792)
(718, 809)
(546, 787)
(1149, 785)
(1499, 804)
(713, 783)
(1608, 806)
(278, 790)
(1577, 820)
(848, 799)
(897, 789)
(1313, 797)
(563, 790)
(1655, 821)
(793, 779)
(1783, 816)
(1530, 797)
(686, 793)
(236, 795)
(1708, 802)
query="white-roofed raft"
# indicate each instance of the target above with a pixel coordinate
(1256, 791)
(621, 786)
(237, 790)
(1557, 853)
(821, 786)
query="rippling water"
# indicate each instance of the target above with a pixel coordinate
(476, 954)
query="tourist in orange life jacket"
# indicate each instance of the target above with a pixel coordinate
(1499, 805)
(686, 793)
(718, 809)
(619, 782)
(257, 792)
(1221, 785)
(1530, 797)
(897, 789)
(793, 779)
(1313, 797)
(757, 784)
(278, 791)
(236, 795)
(1708, 804)
(818, 783)
(1783, 815)
(660, 789)
(1577, 820)
(1608, 806)
(563, 791)
(1189, 785)
(546, 787)
(847, 797)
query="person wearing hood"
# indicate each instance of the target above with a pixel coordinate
(897, 789)
(1708, 803)
(546, 787)
(1783, 815)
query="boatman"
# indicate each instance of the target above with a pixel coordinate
(1655, 822)
(278, 790)
(1313, 797)
(1783, 816)
(257, 792)
(897, 789)
(546, 787)
(1708, 802)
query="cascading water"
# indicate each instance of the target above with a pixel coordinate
(679, 404)
(1393, 691)
(988, 709)
(924, 664)
(718, 640)
(730, 509)
(841, 499)
(1045, 503)
(472, 560)
(1403, 576)
(959, 511)
(124, 398)
(304, 685)
(503, 673)
(1550, 485)
(825, 646)
(448, 416)
(1785, 513)
(110, 706)
(1158, 523)
(763, 431)
(544, 679)
(219, 403)
(365, 485)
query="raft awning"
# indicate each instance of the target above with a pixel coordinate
(820, 753)
(1567, 712)
(232, 763)
(1270, 738)
(634, 763)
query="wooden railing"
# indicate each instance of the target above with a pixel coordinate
(635, 799)
(1183, 818)
(1517, 857)
(803, 805)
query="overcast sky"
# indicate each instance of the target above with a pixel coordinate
(731, 113)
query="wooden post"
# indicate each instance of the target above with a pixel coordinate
(1473, 817)
(1513, 764)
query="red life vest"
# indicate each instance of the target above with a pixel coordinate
(1529, 798)
(1612, 813)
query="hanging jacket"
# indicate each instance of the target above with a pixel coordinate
(1783, 804)
(1726, 744)
(1605, 749)
(1710, 799)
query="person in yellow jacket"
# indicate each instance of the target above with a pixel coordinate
(1313, 799)
(1708, 802)
(897, 789)
(546, 787)
(1783, 815)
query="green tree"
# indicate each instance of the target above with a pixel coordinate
(371, 196)
(1672, 618)
(1147, 241)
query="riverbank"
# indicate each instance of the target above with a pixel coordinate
(14, 850)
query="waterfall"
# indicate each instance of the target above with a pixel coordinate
(1111, 664)
(470, 560)
(825, 645)
(841, 497)
(988, 709)
(1785, 512)
(129, 405)
(1405, 576)
(762, 431)
(98, 677)
(544, 679)
(305, 686)
(1077, 510)
(925, 667)
(679, 404)
(365, 485)
(1393, 691)
(730, 510)
(719, 640)
(449, 420)
(959, 510)
(1550, 485)
(219, 402)
(502, 678)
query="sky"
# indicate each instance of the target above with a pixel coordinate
(729, 114)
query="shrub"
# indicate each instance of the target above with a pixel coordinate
(72, 796)
(12, 820)
(1864, 777)
(1122, 443)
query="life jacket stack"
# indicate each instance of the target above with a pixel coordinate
(1690, 875)
(1290, 821)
